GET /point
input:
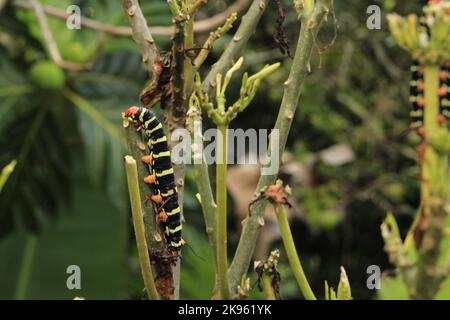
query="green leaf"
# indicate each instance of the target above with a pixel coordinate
(93, 235)
(105, 146)
(6, 172)
(32, 137)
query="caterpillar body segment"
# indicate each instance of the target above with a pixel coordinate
(161, 177)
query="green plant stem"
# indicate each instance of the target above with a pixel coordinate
(26, 267)
(179, 171)
(291, 251)
(267, 287)
(310, 26)
(134, 141)
(202, 179)
(431, 78)
(434, 197)
(189, 68)
(139, 228)
(174, 8)
(207, 201)
(236, 45)
(221, 219)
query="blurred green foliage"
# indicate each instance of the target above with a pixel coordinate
(68, 191)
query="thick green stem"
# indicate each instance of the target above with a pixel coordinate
(292, 89)
(139, 228)
(26, 267)
(267, 287)
(431, 77)
(202, 179)
(221, 219)
(291, 252)
(434, 196)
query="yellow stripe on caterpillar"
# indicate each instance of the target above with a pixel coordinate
(174, 230)
(162, 139)
(164, 173)
(168, 193)
(159, 126)
(178, 244)
(174, 212)
(149, 121)
(161, 154)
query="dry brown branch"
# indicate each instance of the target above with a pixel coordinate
(202, 26)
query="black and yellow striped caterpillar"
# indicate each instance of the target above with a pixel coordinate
(165, 194)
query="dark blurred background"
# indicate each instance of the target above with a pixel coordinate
(350, 157)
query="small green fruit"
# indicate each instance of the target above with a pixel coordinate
(47, 75)
(75, 52)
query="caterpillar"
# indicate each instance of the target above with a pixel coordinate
(161, 177)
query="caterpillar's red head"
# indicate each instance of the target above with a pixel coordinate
(131, 112)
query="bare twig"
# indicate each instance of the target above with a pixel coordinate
(178, 108)
(213, 36)
(201, 26)
(237, 44)
(310, 26)
(196, 5)
(141, 34)
(52, 46)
